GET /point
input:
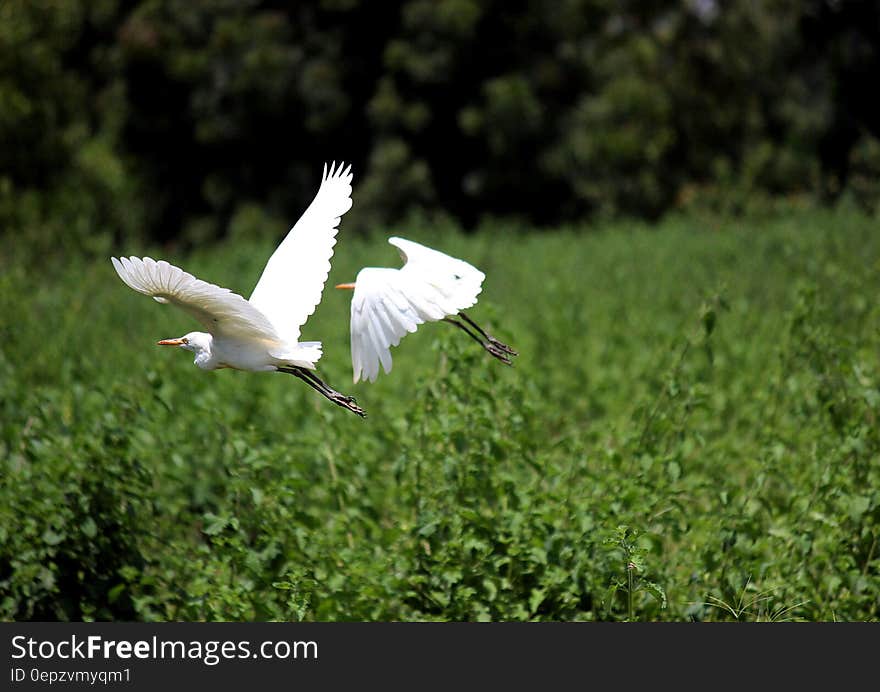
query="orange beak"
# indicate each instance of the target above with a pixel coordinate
(170, 342)
(348, 287)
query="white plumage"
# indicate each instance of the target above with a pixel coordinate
(260, 334)
(389, 303)
(290, 286)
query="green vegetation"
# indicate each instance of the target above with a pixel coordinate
(690, 432)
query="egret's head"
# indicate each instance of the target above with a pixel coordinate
(194, 341)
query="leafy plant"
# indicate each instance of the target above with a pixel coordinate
(625, 547)
(689, 433)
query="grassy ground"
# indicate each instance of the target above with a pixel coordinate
(690, 432)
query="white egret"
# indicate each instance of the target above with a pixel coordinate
(389, 303)
(260, 334)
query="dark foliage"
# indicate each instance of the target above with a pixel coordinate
(173, 119)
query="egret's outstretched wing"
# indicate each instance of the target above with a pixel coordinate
(292, 281)
(222, 312)
(458, 282)
(389, 303)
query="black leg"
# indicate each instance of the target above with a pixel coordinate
(464, 329)
(318, 385)
(492, 348)
(491, 339)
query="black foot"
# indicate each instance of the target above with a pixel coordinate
(348, 402)
(493, 346)
(311, 379)
(501, 346)
(496, 352)
(499, 350)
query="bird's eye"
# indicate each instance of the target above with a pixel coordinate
(185, 340)
(457, 277)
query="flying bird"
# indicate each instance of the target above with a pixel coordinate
(389, 303)
(262, 333)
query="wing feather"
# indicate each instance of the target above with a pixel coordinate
(293, 279)
(375, 326)
(451, 284)
(382, 319)
(386, 306)
(381, 340)
(219, 310)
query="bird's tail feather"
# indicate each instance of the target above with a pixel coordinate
(305, 354)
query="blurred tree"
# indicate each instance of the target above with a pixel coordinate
(63, 181)
(176, 120)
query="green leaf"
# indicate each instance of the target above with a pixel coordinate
(857, 506)
(429, 528)
(115, 592)
(52, 537)
(536, 598)
(89, 528)
(656, 591)
(214, 524)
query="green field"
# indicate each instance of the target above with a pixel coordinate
(689, 432)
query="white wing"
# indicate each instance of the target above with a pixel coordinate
(292, 281)
(458, 282)
(389, 303)
(222, 312)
